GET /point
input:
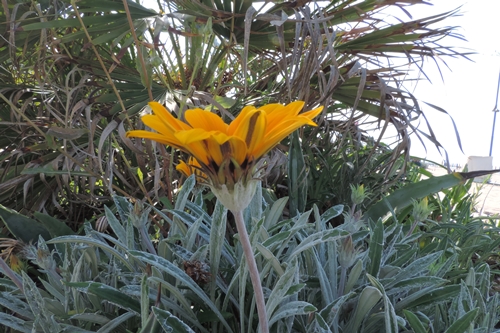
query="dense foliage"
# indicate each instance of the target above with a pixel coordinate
(361, 276)
(74, 78)
(100, 234)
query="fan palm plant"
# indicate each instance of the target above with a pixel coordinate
(74, 75)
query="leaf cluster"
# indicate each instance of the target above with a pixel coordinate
(357, 277)
(74, 77)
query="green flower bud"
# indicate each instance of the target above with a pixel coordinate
(347, 254)
(358, 194)
(421, 210)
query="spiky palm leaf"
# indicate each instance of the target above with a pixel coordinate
(74, 74)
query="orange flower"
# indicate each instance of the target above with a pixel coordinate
(225, 155)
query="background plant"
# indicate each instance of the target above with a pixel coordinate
(361, 276)
(102, 236)
(75, 75)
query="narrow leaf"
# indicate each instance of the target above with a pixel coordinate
(295, 308)
(112, 325)
(403, 197)
(463, 323)
(166, 266)
(109, 294)
(375, 249)
(317, 238)
(22, 227)
(14, 323)
(54, 226)
(367, 300)
(415, 323)
(170, 323)
(297, 180)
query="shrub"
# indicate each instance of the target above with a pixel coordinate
(362, 276)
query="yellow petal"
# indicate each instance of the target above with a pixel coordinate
(184, 168)
(193, 142)
(220, 137)
(281, 132)
(241, 116)
(199, 151)
(236, 148)
(252, 129)
(313, 113)
(206, 120)
(192, 166)
(166, 140)
(221, 146)
(157, 124)
(165, 116)
(214, 150)
(277, 116)
(270, 108)
(192, 135)
(194, 162)
(295, 107)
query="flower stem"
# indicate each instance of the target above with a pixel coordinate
(414, 224)
(254, 272)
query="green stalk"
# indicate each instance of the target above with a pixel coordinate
(414, 224)
(254, 272)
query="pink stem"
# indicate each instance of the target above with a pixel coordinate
(254, 272)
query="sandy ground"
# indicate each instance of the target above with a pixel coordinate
(488, 202)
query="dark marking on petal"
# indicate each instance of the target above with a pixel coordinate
(251, 127)
(225, 149)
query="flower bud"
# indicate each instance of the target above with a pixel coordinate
(358, 194)
(347, 254)
(421, 210)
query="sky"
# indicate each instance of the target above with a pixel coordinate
(468, 89)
